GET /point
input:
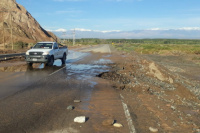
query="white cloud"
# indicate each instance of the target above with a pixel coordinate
(81, 29)
(107, 31)
(58, 30)
(49, 30)
(189, 28)
(67, 0)
(157, 29)
(117, 31)
(182, 28)
(104, 31)
(178, 33)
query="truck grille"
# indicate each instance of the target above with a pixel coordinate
(35, 53)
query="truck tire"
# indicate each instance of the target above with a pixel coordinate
(30, 64)
(50, 62)
(63, 59)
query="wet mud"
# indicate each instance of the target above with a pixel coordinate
(41, 106)
(157, 97)
(157, 92)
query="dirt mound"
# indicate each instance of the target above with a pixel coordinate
(156, 96)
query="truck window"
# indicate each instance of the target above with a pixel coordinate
(43, 46)
(55, 46)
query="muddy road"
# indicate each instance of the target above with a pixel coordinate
(142, 93)
(35, 100)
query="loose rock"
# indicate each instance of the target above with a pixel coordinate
(154, 130)
(80, 119)
(108, 122)
(173, 108)
(70, 107)
(77, 101)
(117, 125)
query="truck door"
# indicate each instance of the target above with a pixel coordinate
(56, 51)
(60, 53)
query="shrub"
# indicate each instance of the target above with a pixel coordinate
(21, 44)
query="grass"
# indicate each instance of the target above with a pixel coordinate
(160, 48)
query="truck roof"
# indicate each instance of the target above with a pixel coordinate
(46, 42)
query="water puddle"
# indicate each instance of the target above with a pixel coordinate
(85, 74)
(85, 71)
(75, 56)
(103, 61)
(72, 57)
(107, 55)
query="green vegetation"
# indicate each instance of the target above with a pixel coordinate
(21, 44)
(84, 41)
(196, 58)
(146, 46)
(162, 46)
(154, 41)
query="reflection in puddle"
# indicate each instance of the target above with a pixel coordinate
(103, 61)
(36, 66)
(75, 56)
(107, 55)
(72, 57)
(85, 71)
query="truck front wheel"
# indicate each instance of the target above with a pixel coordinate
(50, 62)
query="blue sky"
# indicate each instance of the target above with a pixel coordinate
(111, 15)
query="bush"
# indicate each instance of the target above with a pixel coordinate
(21, 44)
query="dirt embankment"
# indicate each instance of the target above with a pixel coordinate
(157, 97)
(12, 51)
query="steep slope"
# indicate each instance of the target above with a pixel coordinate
(25, 27)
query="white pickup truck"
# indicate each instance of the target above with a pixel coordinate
(46, 52)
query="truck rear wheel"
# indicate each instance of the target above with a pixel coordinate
(50, 62)
(63, 59)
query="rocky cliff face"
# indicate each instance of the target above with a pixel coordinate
(25, 27)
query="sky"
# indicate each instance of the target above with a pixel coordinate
(115, 15)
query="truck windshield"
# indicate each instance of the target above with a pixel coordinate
(43, 46)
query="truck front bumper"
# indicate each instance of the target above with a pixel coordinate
(37, 58)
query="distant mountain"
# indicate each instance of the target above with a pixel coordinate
(25, 27)
(134, 34)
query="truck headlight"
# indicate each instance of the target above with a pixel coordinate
(27, 53)
(45, 53)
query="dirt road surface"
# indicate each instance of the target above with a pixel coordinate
(138, 92)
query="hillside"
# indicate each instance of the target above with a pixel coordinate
(25, 27)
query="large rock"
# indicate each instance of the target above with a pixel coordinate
(25, 27)
(80, 119)
(117, 125)
(108, 122)
(153, 130)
